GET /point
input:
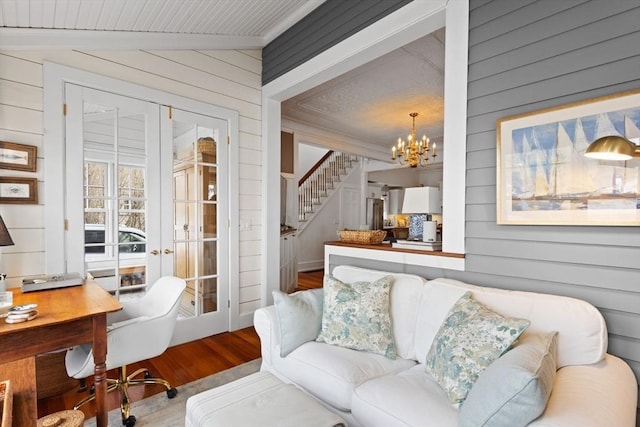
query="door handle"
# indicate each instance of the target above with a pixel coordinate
(168, 251)
(154, 252)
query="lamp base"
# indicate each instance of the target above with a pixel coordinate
(415, 226)
(429, 231)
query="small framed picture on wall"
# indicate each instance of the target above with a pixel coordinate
(18, 157)
(18, 190)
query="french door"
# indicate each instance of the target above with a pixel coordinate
(195, 188)
(146, 197)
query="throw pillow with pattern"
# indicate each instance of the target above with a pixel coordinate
(470, 339)
(356, 315)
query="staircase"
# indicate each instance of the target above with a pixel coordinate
(316, 185)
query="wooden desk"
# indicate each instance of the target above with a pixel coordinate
(66, 317)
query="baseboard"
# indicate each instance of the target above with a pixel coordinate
(245, 320)
(311, 265)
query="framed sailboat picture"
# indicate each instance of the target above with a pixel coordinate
(543, 177)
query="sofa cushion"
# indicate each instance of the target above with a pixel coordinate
(405, 296)
(332, 373)
(435, 302)
(581, 328)
(469, 340)
(356, 315)
(514, 389)
(410, 398)
(299, 317)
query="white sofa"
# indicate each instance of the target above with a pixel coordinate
(591, 387)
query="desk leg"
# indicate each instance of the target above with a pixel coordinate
(100, 361)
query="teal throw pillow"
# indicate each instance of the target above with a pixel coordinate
(470, 339)
(514, 389)
(356, 315)
(299, 318)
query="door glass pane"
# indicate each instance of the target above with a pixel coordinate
(195, 193)
(115, 197)
(209, 258)
(209, 294)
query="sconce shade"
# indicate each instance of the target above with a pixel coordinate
(612, 147)
(421, 200)
(5, 237)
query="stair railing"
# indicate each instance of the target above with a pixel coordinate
(320, 179)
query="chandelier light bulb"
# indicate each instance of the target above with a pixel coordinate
(414, 152)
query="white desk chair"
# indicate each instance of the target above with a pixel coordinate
(141, 330)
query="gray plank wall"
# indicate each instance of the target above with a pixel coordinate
(525, 56)
(329, 24)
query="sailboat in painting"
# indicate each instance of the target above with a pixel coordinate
(552, 173)
(522, 187)
(571, 169)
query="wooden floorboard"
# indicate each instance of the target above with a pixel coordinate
(179, 365)
(183, 363)
(310, 280)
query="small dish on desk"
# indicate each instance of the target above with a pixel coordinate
(23, 308)
(22, 313)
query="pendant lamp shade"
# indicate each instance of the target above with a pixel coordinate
(612, 147)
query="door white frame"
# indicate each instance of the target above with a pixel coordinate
(54, 78)
(74, 203)
(403, 26)
(192, 328)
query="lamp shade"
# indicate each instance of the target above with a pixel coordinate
(612, 147)
(421, 200)
(5, 237)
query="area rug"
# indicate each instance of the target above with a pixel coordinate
(158, 411)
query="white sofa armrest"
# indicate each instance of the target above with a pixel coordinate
(265, 322)
(602, 394)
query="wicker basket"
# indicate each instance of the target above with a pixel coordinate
(207, 146)
(363, 237)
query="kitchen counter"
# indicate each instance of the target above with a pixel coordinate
(384, 252)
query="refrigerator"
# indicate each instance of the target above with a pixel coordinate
(375, 212)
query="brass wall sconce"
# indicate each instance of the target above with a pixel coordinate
(612, 147)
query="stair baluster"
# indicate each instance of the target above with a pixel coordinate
(321, 178)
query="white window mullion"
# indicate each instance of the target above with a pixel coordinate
(114, 210)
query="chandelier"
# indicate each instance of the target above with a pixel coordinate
(413, 152)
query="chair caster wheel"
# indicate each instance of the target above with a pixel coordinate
(171, 393)
(129, 422)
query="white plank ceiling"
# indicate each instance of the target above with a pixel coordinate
(370, 104)
(258, 22)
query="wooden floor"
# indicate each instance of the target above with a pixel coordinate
(310, 280)
(183, 363)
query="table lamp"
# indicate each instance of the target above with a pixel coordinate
(5, 240)
(420, 203)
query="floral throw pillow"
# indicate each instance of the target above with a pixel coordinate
(470, 339)
(356, 315)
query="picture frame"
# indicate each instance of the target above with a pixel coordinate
(18, 157)
(18, 190)
(543, 177)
